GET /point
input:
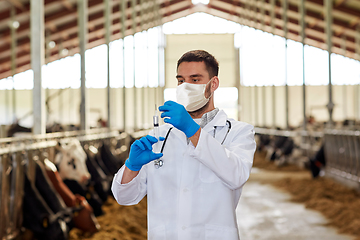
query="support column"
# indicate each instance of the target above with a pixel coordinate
(61, 96)
(161, 63)
(273, 86)
(344, 87)
(237, 80)
(123, 28)
(264, 105)
(256, 105)
(149, 109)
(143, 115)
(13, 59)
(161, 54)
(285, 19)
(7, 104)
(46, 81)
(357, 40)
(302, 34)
(251, 106)
(37, 61)
(262, 11)
(156, 23)
(107, 13)
(83, 38)
(135, 100)
(329, 21)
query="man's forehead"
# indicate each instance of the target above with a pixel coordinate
(192, 68)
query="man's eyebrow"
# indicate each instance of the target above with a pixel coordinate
(196, 75)
(192, 76)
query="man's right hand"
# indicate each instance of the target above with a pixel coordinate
(141, 153)
(176, 114)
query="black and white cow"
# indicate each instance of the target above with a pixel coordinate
(71, 162)
(112, 163)
(100, 181)
(73, 166)
(282, 150)
(83, 217)
(44, 212)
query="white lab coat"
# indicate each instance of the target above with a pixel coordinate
(195, 193)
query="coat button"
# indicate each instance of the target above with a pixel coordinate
(183, 228)
(185, 190)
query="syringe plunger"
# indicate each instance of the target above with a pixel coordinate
(156, 121)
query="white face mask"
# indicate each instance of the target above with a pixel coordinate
(192, 96)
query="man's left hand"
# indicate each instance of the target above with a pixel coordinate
(177, 115)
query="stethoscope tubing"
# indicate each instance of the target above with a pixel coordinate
(159, 163)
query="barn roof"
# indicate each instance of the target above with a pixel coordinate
(61, 23)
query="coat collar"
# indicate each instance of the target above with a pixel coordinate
(219, 121)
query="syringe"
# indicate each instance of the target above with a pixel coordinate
(156, 146)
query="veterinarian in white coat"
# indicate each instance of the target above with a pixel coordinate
(205, 162)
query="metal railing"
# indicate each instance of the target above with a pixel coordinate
(342, 152)
(16, 153)
(342, 149)
(308, 141)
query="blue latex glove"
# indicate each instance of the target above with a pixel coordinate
(141, 153)
(177, 115)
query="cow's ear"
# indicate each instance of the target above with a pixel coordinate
(59, 147)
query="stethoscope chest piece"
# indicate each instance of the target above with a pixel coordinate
(158, 163)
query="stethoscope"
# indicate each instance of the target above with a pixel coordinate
(159, 163)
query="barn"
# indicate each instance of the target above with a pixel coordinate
(84, 84)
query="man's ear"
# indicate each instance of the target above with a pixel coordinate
(215, 83)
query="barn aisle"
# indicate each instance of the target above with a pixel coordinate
(266, 213)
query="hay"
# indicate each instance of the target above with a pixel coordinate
(339, 204)
(118, 222)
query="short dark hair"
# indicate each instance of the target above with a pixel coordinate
(212, 65)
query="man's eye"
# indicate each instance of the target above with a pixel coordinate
(195, 80)
(180, 81)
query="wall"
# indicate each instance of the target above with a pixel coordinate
(219, 45)
(316, 101)
(65, 107)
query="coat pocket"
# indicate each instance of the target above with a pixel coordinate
(214, 232)
(157, 233)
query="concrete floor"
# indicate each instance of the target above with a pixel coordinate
(266, 213)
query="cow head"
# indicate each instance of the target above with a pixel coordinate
(71, 161)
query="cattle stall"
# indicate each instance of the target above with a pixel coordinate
(340, 150)
(17, 162)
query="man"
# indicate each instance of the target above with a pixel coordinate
(206, 160)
